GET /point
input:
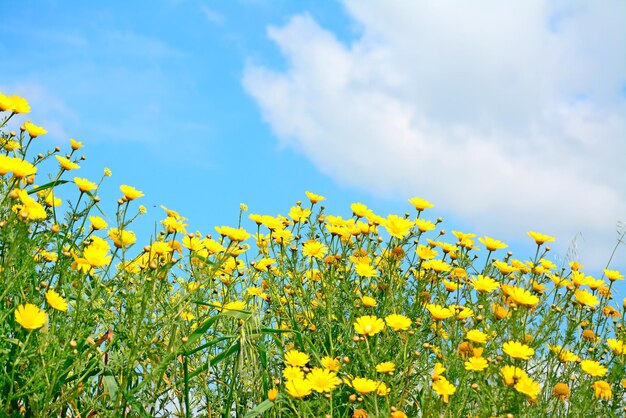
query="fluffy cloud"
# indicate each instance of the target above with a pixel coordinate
(510, 115)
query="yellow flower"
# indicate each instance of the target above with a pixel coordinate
(122, 238)
(521, 296)
(484, 284)
(21, 168)
(438, 312)
(55, 300)
(385, 367)
(298, 388)
(330, 363)
(618, 347)
(477, 364)
(602, 390)
(476, 336)
(504, 267)
(296, 358)
(364, 385)
(424, 226)
(561, 391)
(33, 130)
(314, 249)
(67, 164)
(613, 275)
(368, 301)
(593, 368)
(517, 350)
(398, 322)
(15, 104)
(130, 193)
(187, 316)
(322, 380)
(492, 244)
(439, 266)
(365, 270)
(382, 389)
(298, 214)
(398, 414)
(234, 234)
(359, 210)
(540, 238)
(443, 388)
(30, 316)
(425, 252)
(585, 298)
(76, 145)
(96, 253)
(528, 387)
(292, 372)
(84, 185)
(368, 325)
(314, 198)
(272, 394)
(420, 204)
(397, 227)
(512, 374)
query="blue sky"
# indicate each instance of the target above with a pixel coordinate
(508, 118)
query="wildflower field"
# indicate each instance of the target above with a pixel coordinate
(304, 315)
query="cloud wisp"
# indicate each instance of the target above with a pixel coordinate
(510, 116)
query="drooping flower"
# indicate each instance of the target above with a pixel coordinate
(561, 391)
(30, 316)
(55, 300)
(443, 388)
(602, 390)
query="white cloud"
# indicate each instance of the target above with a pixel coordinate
(510, 115)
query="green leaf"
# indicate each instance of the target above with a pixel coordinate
(259, 409)
(47, 186)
